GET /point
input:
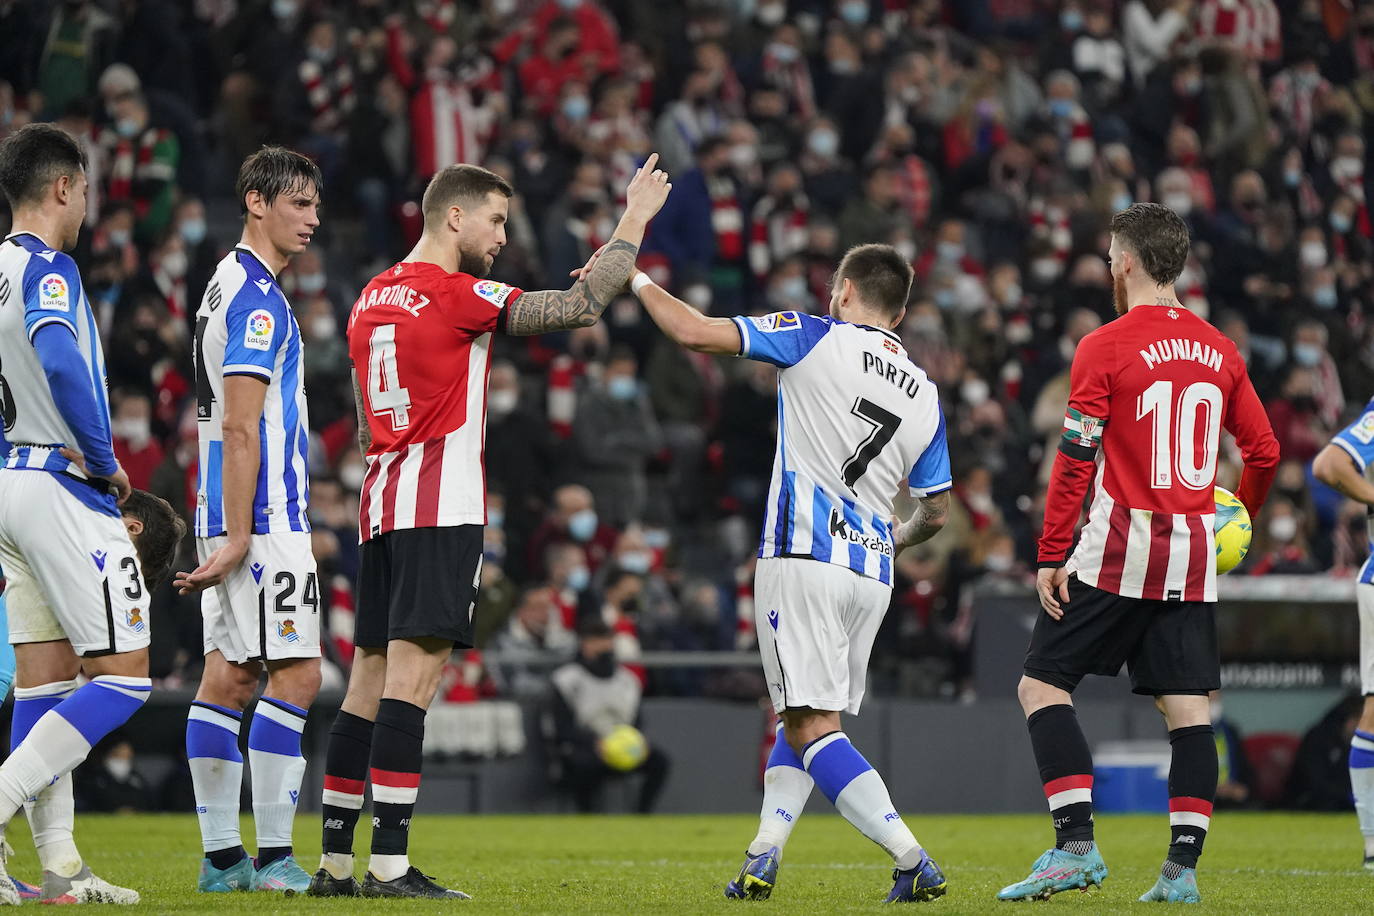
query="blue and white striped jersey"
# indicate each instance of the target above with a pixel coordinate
(52, 385)
(245, 327)
(856, 417)
(1357, 440)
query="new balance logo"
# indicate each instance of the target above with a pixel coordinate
(333, 823)
(1185, 838)
(376, 822)
(99, 558)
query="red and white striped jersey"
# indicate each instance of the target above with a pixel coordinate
(1149, 395)
(420, 341)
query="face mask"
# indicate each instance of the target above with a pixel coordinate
(1191, 86)
(310, 284)
(1018, 333)
(1061, 108)
(503, 7)
(1324, 297)
(1046, 270)
(1291, 179)
(1340, 223)
(944, 298)
(1181, 202)
(576, 107)
(783, 52)
(500, 403)
(907, 249)
(1306, 354)
(974, 392)
(118, 238)
(1283, 528)
(351, 476)
(622, 387)
(582, 525)
(284, 9)
(174, 263)
(949, 251)
(854, 12)
(136, 432)
(772, 14)
(1346, 167)
(824, 143)
(792, 289)
(602, 664)
(636, 561)
(119, 767)
(320, 55)
(743, 157)
(192, 231)
(1122, 201)
(1011, 295)
(927, 324)
(844, 66)
(126, 127)
(578, 578)
(494, 554)
(1071, 20)
(998, 563)
(1312, 254)
(323, 328)
(496, 518)
(570, 4)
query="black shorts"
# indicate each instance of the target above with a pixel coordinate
(418, 582)
(1169, 647)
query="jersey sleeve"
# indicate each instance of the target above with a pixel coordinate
(52, 293)
(257, 326)
(1085, 423)
(1357, 439)
(931, 473)
(1247, 420)
(782, 338)
(478, 306)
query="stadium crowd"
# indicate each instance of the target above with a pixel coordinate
(990, 140)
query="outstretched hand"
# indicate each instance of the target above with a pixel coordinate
(647, 191)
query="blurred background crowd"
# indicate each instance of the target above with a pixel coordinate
(988, 140)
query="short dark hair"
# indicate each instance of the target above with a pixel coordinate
(163, 531)
(880, 274)
(464, 185)
(35, 156)
(273, 171)
(1157, 236)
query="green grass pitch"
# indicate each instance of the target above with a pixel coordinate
(1254, 863)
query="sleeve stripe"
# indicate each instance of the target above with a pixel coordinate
(921, 492)
(741, 323)
(1351, 451)
(1075, 450)
(51, 319)
(247, 369)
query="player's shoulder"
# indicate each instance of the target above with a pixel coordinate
(246, 283)
(493, 292)
(44, 260)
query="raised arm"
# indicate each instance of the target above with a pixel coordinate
(684, 324)
(605, 276)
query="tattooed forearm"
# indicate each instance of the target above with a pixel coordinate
(364, 432)
(931, 512)
(580, 307)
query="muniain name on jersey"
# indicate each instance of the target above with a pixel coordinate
(1166, 350)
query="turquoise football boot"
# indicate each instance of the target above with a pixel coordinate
(237, 877)
(282, 875)
(1057, 871)
(1182, 889)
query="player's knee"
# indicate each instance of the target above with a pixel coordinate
(1035, 694)
(297, 681)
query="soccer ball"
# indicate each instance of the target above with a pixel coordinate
(623, 748)
(1232, 528)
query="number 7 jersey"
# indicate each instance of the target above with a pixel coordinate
(1149, 395)
(420, 342)
(856, 418)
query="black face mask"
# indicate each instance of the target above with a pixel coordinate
(601, 664)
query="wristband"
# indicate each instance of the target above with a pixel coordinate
(640, 281)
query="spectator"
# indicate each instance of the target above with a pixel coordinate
(572, 519)
(138, 451)
(1149, 30)
(591, 696)
(1320, 778)
(534, 633)
(520, 462)
(873, 216)
(141, 164)
(614, 436)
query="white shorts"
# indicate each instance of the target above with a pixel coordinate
(268, 608)
(816, 624)
(1364, 599)
(73, 572)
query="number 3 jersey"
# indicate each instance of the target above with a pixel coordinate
(1149, 395)
(245, 327)
(856, 418)
(420, 341)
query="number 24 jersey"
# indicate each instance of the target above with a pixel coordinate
(856, 418)
(420, 342)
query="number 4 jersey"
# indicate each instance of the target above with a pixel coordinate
(856, 418)
(1149, 395)
(420, 341)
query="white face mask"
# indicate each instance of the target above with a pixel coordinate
(1181, 202)
(351, 475)
(974, 392)
(135, 431)
(1283, 528)
(119, 767)
(1312, 254)
(502, 402)
(174, 263)
(998, 562)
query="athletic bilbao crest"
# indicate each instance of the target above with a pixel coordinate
(286, 629)
(1089, 427)
(134, 618)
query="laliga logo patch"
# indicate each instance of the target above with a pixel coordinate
(257, 334)
(286, 629)
(134, 618)
(493, 292)
(53, 294)
(1364, 430)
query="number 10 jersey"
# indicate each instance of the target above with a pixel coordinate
(1149, 394)
(856, 418)
(420, 342)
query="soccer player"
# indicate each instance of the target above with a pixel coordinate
(76, 596)
(420, 339)
(1347, 464)
(260, 598)
(856, 418)
(1149, 394)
